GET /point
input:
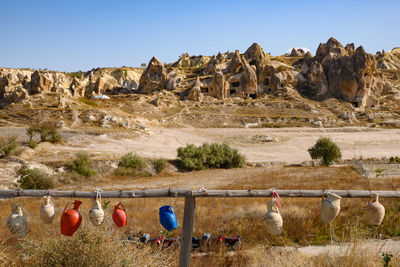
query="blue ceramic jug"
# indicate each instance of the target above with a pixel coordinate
(168, 218)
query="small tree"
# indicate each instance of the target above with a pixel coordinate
(143, 65)
(326, 150)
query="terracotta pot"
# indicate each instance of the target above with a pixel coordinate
(71, 219)
(273, 219)
(119, 215)
(96, 214)
(47, 212)
(330, 207)
(375, 212)
(17, 222)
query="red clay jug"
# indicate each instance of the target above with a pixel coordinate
(119, 215)
(71, 219)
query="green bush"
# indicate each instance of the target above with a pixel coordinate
(32, 144)
(8, 145)
(46, 133)
(159, 165)
(326, 150)
(394, 160)
(209, 156)
(131, 164)
(34, 179)
(81, 165)
(131, 160)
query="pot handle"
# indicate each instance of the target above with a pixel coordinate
(120, 204)
(66, 207)
(276, 208)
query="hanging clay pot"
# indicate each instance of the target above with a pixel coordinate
(96, 214)
(168, 218)
(71, 219)
(119, 215)
(375, 212)
(330, 207)
(273, 219)
(17, 222)
(47, 212)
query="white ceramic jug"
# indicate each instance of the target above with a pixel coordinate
(330, 207)
(17, 222)
(375, 212)
(96, 214)
(273, 219)
(47, 212)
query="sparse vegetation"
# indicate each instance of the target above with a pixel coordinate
(34, 179)
(394, 160)
(46, 134)
(379, 171)
(8, 145)
(77, 74)
(219, 156)
(159, 165)
(88, 102)
(326, 150)
(31, 143)
(82, 165)
(131, 164)
(89, 247)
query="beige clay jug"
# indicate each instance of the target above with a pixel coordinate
(17, 222)
(375, 212)
(330, 207)
(273, 219)
(96, 214)
(47, 212)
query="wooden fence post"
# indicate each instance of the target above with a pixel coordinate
(187, 232)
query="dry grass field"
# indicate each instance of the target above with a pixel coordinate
(237, 216)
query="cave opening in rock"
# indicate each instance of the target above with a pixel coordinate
(266, 81)
(253, 62)
(253, 96)
(235, 84)
(355, 104)
(232, 92)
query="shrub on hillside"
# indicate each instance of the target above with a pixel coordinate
(81, 165)
(34, 179)
(159, 165)
(31, 143)
(46, 133)
(208, 156)
(8, 145)
(131, 164)
(326, 150)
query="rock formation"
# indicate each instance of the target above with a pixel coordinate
(346, 73)
(153, 78)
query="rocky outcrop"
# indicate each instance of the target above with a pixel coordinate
(187, 61)
(17, 84)
(194, 93)
(316, 78)
(297, 52)
(236, 63)
(153, 78)
(343, 73)
(218, 86)
(335, 71)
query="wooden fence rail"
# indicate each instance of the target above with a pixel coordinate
(190, 197)
(184, 192)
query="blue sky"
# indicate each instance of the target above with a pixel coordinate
(81, 35)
